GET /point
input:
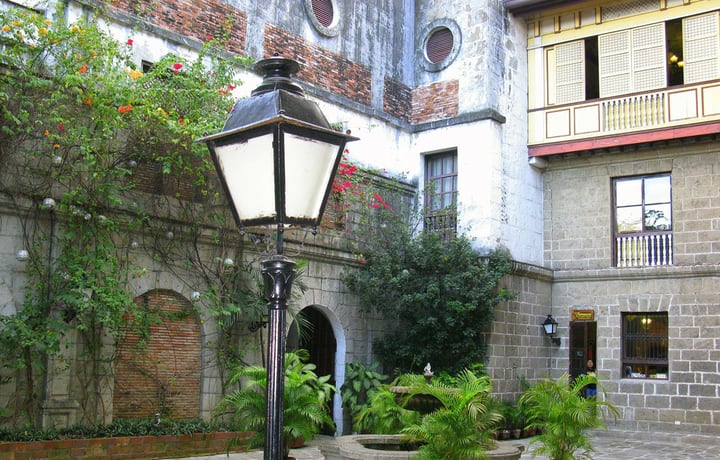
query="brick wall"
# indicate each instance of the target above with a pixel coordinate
(163, 376)
(124, 447)
(397, 99)
(435, 101)
(200, 19)
(320, 67)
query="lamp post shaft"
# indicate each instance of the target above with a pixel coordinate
(278, 274)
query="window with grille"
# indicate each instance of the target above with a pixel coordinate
(439, 45)
(441, 194)
(323, 11)
(643, 220)
(645, 345)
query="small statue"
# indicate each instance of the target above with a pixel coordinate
(428, 373)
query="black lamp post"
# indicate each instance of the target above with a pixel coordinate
(276, 158)
(550, 326)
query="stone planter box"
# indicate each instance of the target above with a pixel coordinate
(127, 447)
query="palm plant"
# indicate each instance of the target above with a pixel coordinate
(463, 426)
(306, 397)
(382, 414)
(563, 415)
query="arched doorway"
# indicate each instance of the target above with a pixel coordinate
(324, 338)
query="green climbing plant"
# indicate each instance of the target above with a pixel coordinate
(78, 120)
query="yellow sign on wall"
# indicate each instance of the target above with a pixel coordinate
(583, 315)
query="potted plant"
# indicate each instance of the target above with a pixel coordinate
(559, 410)
(462, 427)
(306, 397)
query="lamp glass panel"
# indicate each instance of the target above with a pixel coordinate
(309, 167)
(248, 170)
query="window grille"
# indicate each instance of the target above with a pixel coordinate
(323, 10)
(439, 45)
(645, 345)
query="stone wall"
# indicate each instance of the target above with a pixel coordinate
(578, 246)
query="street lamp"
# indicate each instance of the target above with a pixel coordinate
(276, 157)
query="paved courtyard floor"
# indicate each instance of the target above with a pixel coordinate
(608, 445)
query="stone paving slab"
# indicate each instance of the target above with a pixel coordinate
(608, 445)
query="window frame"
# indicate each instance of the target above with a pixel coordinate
(642, 72)
(441, 218)
(648, 245)
(640, 367)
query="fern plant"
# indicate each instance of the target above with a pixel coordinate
(559, 410)
(463, 426)
(383, 414)
(306, 397)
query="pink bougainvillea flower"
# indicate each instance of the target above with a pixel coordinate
(231, 87)
(176, 67)
(125, 108)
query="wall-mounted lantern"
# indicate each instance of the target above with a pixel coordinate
(550, 326)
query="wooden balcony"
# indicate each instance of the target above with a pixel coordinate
(681, 111)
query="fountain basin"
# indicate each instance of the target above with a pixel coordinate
(358, 447)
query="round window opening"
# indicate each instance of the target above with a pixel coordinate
(439, 45)
(324, 12)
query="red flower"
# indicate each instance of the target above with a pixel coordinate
(83, 68)
(177, 66)
(130, 42)
(380, 199)
(125, 108)
(61, 126)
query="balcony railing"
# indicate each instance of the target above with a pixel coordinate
(644, 249)
(629, 114)
(444, 224)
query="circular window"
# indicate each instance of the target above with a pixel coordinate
(440, 45)
(323, 14)
(323, 11)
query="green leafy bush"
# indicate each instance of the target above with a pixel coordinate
(436, 292)
(462, 427)
(360, 383)
(118, 428)
(305, 402)
(563, 415)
